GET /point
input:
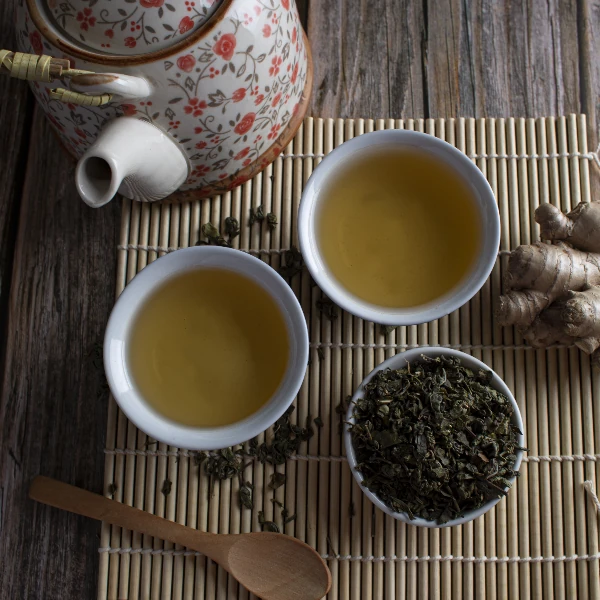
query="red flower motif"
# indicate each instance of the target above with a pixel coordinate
(259, 99)
(201, 145)
(247, 162)
(294, 34)
(152, 3)
(266, 30)
(275, 62)
(257, 10)
(186, 63)
(200, 170)
(296, 108)
(86, 19)
(238, 95)
(80, 133)
(245, 124)
(198, 130)
(242, 153)
(36, 42)
(225, 46)
(195, 107)
(130, 42)
(109, 33)
(295, 73)
(185, 24)
(274, 131)
(285, 4)
(128, 109)
(276, 100)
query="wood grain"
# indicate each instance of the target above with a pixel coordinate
(392, 58)
(16, 110)
(54, 398)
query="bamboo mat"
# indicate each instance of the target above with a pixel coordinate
(542, 541)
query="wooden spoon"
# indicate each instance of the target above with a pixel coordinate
(271, 565)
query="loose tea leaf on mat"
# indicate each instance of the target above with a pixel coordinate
(246, 497)
(266, 525)
(272, 221)
(166, 487)
(387, 329)
(434, 439)
(112, 489)
(256, 216)
(232, 228)
(327, 307)
(212, 234)
(225, 463)
(293, 263)
(277, 480)
(286, 440)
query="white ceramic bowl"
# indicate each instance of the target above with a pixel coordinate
(123, 316)
(445, 153)
(398, 362)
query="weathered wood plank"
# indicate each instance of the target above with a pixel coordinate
(456, 58)
(16, 111)
(368, 59)
(54, 398)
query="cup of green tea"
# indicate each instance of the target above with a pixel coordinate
(398, 227)
(206, 348)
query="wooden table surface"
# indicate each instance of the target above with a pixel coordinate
(384, 58)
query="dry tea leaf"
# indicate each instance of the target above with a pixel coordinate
(286, 440)
(272, 221)
(112, 489)
(246, 497)
(387, 329)
(434, 439)
(166, 487)
(327, 307)
(266, 525)
(277, 480)
(232, 228)
(293, 263)
(256, 216)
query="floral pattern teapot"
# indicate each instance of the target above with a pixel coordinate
(162, 97)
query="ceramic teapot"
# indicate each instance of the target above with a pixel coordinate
(161, 96)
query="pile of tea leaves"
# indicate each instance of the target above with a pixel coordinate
(232, 462)
(434, 439)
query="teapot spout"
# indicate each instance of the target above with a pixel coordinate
(134, 158)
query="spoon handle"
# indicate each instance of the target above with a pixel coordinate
(79, 501)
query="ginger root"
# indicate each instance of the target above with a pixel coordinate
(553, 291)
(580, 227)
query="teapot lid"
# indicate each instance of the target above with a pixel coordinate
(130, 27)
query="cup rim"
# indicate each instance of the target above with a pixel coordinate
(397, 362)
(126, 309)
(461, 165)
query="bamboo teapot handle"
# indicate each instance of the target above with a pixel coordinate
(34, 67)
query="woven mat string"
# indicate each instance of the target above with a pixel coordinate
(33, 67)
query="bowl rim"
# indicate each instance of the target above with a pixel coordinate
(441, 150)
(397, 362)
(124, 313)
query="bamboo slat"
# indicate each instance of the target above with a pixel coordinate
(541, 542)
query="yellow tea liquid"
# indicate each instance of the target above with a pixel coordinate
(208, 348)
(398, 229)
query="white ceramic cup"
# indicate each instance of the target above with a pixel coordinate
(328, 170)
(123, 317)
(398, 362)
